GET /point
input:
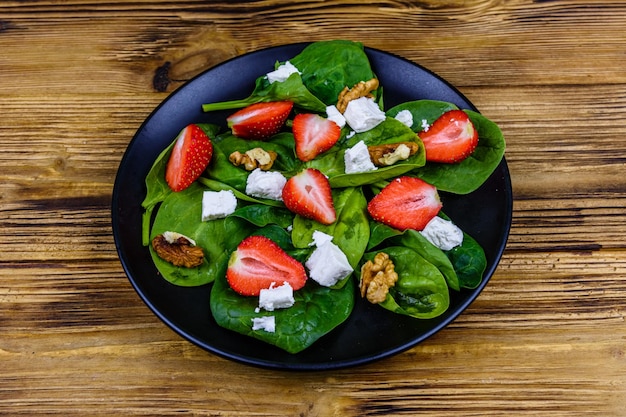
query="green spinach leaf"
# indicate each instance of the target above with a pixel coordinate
(292, 89)
(222, 170)
(421, 290)
(329, 66)
(469, 174)
(317, 311)
(469, 262)
(391, 130)
(423, 111)
(156, 187)
(417, 242)
(181, 212)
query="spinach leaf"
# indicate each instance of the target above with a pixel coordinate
(182, 212)
(262, 215)
(421, 290)
(469, 262)
(329, 66)
(292, 89)
(416, 241)
(379, 233)
(156, 186)
(222, 170)
(469, 174)
(317, 311)
(422, 111)
(350, 231)
(391, 130)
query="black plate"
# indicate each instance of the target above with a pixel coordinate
(370, 333)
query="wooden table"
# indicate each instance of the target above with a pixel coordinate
(547, 336)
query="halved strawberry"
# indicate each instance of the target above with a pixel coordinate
(258, 262)
(259, 121)
(308, 194)
(405, 203)
(451, 138)
(190, 156)
(313, 135)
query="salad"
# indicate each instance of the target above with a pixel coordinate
(314, 197)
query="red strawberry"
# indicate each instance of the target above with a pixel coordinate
(451, 138)
(259, 121)
(313, 135)
(308, 194)
(189, 158)
(405, 203)
(258, 262)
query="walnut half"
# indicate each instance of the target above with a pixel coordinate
(362, 89)
(390, 153)
(254, 158)
(377, 277)
(178, 250)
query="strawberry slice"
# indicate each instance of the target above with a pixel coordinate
(405, 203)
(190, 156)
(258, 262)
(308, 194)
(451, 138)
(313, 135)
(259, 121)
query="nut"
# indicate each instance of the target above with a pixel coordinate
(389, 154)
(254, 158)
(178, 250)
(377, 277)
(361, 89)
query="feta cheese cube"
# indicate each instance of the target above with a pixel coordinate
(332, 113)
(405, 117)
(319, 238)
(357, 159)
(265, 184)
(363, 114)
(443, 233)
(218, 204)
(276, 297)
(328, 265)
(282, 72)
(267, 323)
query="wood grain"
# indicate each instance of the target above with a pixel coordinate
(546, 337)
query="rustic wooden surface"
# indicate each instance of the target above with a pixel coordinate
(546, 337)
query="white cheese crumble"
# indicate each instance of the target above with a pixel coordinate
(281, 73)
(218, 204)
(332, 113)
(172, 237)
(443, 233)
(405, 117)
(265, 184)
(267, 323)
(363, 114)
(357, 159)
(319, 238)
(425, 125)
(328, 265)
(276, 297)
